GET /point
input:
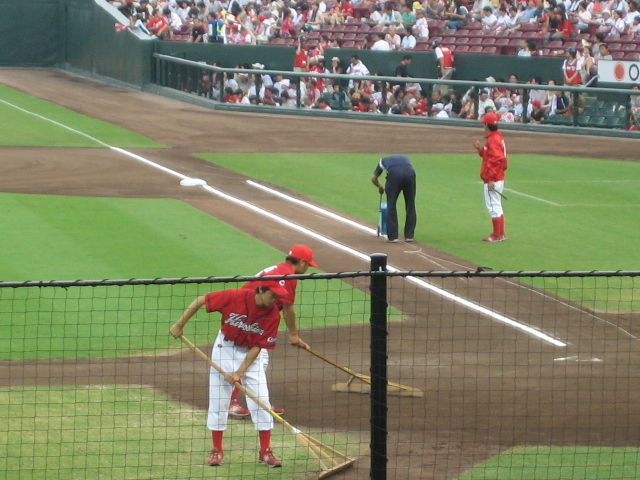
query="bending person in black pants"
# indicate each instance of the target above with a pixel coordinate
(401, 177)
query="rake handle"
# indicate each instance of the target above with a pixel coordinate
(359, 376)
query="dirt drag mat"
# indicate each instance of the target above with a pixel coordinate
(485, 391)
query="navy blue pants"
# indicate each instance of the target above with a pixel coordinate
(401, 181)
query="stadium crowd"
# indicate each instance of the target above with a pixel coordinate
(581, 31)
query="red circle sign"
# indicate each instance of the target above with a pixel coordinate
(619, 71)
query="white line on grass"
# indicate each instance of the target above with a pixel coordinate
(533, 198)
(317, 236)
(417, 281)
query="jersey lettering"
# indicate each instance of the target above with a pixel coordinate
(238, 321)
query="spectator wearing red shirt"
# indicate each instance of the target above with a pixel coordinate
(492, 173)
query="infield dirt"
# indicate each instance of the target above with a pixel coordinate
(484, 394)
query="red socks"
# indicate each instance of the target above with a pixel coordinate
(217, 439)
(265, 439)
(496, 226)
(235, 393)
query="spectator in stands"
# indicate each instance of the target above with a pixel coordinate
(604, 52)
(322, 104)
(560, 104)
(635, 107)
(588, 67)
(286, 25)
(408, 18)
(316, 18)
(634, 29)
(198, 31)
(484, 103)
(621, 6)
(502, 19)
(524, 49)
(469, 107)
(421, 28)
(583, 17)
(571, 68)
(537, 115)
(456, 105)
(356, 68)
(458, 16)
(536, 93)
(336, 68)
(375, 16)
(434, 9)
(408, 41)
(381, 43)
(632, 13)
(265, 31)
(512, 21)
(301, 58)
(391, 17)
(394, 40)
(476, 10)
(619, 27)
(605, 22)
(174, 20)
(489, 20)
(287, 101)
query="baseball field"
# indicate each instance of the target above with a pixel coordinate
(90, 190)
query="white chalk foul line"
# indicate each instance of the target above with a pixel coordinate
(310, 233)
(533, 198)
(444, 293)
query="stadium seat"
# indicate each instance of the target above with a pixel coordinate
(461, 48)
(349, 44)
(584, 120)
(351, 28)
(529, 27)
(475, 41)
(631, 56)
(422, 47)
(490, 51)
(614, 122)
(447, 33)
(545, 52)
(597, 121)
(349, 36)
(615, 46)
(364, 28)
(475, 49)
(474, 26)
(560, 120)
(461, 41)
(555, 44)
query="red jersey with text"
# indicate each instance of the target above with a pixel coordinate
(570, 68)
(494, 158)
(243, 322)
(283, 268)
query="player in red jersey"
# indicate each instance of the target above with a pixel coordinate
(298, 261)
(250, 320)
(494, 164)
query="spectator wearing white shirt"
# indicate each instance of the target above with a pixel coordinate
(489, 20)
(421, 28)
(408, 41)
(632, 13)
(395, 41)
(584, 17)
(356, 68)
(381, 44)
(618, 27)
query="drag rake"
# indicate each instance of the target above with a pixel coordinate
(329, 460)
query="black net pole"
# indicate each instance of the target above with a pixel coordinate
(378, 368)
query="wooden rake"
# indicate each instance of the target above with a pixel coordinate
(395, 388)
(324, 455)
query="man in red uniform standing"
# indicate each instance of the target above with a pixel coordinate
(297, 261)
(494, 164)
(249, 325)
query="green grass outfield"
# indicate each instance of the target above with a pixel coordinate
(131, 432)
(26, 121)
(593, 225)
(561, 213)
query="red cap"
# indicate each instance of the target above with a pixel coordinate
(274, 286)
(302, 252)
(491, 119)
(536, 103)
